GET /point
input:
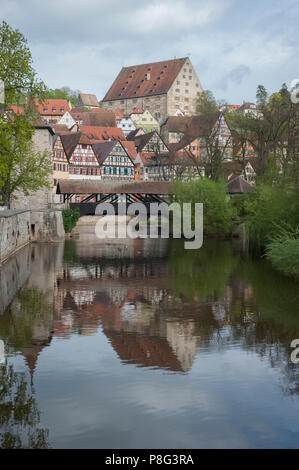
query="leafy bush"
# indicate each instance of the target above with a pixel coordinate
(283, 252)
(70, 218)
(269, 207)
(218, 211)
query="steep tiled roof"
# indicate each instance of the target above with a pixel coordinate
(129, 148)
(87, 99)
(118, 114)
(102, 150)
(70, 142)
(103, 133)
(177, 123)
(198, 126)
(132, 134)
(144, 80)
(138, 110)
(238, 186)
(101, 118)
(52, 106)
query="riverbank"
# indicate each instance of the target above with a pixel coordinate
(20, 227)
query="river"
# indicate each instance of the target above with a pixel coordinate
(142, 344)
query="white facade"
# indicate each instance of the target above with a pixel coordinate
(67, 120)
(126, 125)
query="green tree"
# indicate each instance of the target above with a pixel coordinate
(21, 167)
(206, 103)
(16, 69)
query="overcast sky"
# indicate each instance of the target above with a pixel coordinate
(234, 45)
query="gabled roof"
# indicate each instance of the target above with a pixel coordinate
(197, 127)
(70, 142)
(238, 186)
(102, 133)
(87, 99)
(102, 118)
(118, 113)
(138, 110)
(129, 148)
(52, 106)
(145, 80)
(102, 150)
(177, 123)
(133, 134)
(141, 140)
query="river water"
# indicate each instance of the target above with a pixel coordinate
(142, 344)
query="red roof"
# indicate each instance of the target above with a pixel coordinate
(144, 80)
(129, 148)
(16, 109)
(102, 118)
(52, 107)
(103, 133)
(118, 114)
(138, 110)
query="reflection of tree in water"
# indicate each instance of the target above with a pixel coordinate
(28, 319)
(203, 272)
(259, 305)
(19, 415)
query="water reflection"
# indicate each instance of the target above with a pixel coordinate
(158, 305)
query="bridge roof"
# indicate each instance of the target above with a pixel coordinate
(72, 186)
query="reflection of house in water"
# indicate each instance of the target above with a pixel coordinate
(124, 296)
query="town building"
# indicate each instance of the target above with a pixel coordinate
(99, 117)
(163, 88)
(103, 133)
(83, 163)
(87, 100)
(145, 121)
(250, 109)
(52, 110)
(114, 161)
(60, 166)
(126, 124)
(67, 120)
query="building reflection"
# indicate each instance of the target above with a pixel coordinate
(157, 306)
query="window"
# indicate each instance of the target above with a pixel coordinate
(177, 82)
(186, 83)
(190, 77)
(114, 170)
(177, 90)
(186, 91)
(54, 110)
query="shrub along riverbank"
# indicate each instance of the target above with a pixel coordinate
(270, 212)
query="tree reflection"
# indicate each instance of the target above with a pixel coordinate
(203, 272)
(19, 415)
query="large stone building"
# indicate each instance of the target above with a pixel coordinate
(161, 87)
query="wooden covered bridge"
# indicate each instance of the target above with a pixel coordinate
(91, 193)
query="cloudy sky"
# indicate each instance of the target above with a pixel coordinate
(234, 45)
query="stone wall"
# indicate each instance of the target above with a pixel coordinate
(18, 228)
(47, 226)
(13, 275)
(14, 232)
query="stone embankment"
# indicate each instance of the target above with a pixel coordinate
(19, 227)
